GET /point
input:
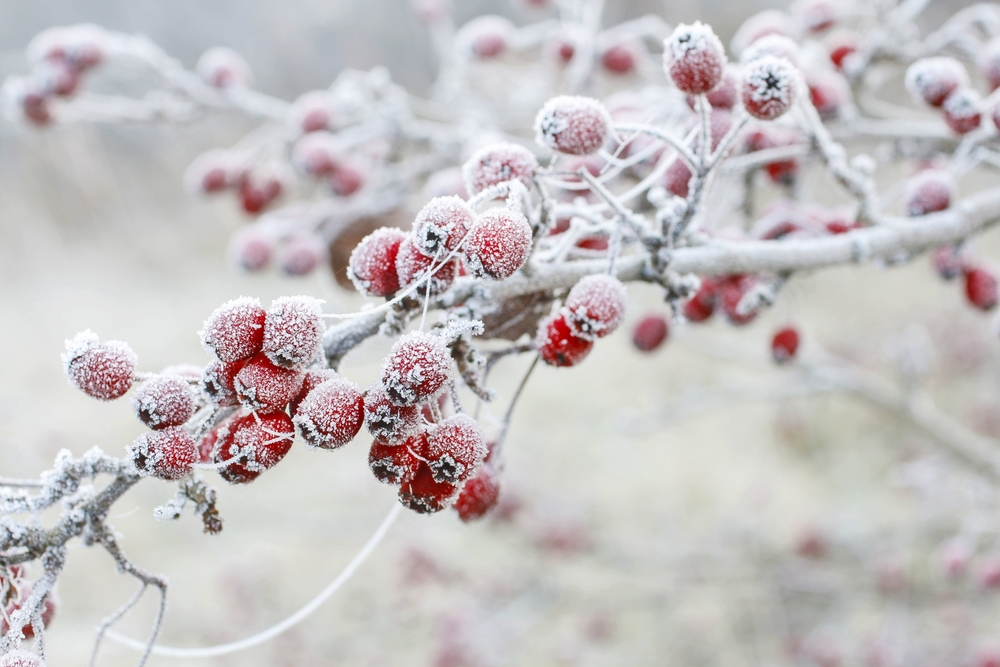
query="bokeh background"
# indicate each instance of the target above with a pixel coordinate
(657, 508)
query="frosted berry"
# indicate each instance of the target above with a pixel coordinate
(677, 178)
(932, 80)
(396, 464)
(165, 400)
(726, 94)
(949, 262)
(929, 191)
(731, 291)
(455, 449)
(224, 68)
(372, 267)
(981, 288)
(841, 45)
(573, 125)
(498, 244)
(784, 344)
(479, 495)
(218, 382)
(650, 333)
(486, 36)
(412, 265)
(331, 414)
(558, 345)
(701, 306)
(417, 368)
(301, 255)
(209, 173)
(168, 454)
(312, 112)
(19, 658)
(100, 370)
(989, 64)
(313, 378)
(620, 58)
(254, 443)
(48, 611)
(293, 331)
(235, 330)
(694, 59)
(262, 386)
(829, 92)
(250, 250)
(317, 154)
(258, 191)
(346, 179)
(497, 163)
(441, 225)
(425, 495)
(961, 110)
(595, 306)
(388, 422)
(769, 87)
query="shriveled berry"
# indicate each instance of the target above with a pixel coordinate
(167, 454)
(396, 464)
(479, 495)
(928, 191)
(100, 370)
(573, 125)
(595, 306)
(784, 344)
(441, 225)
(498, 244)
(650, 333)
(331, 414)
(932, 80)
(701, 306)
(769, 87)
(981, 287)
(313, 378)
(164, 400)
(390, 423)
(253, 443)
(224, 68)
(250, 250)
(558, 345)
(961, 110)
(262, 386)
(694, 59)
(218, 382)
(498, 163)
(424, 495)
(235, 330)
(486, 36)
(620, 58)
(372, 267)
(301, 255)
(731, 291)
(456, 449)
(412, 265)
(20, 658)
(417, 367)
(293, 331)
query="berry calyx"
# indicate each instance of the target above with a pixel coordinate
(498, 244)
(387, 422)
(252, 444)
(573, 125)
(650, 333)
(441, 225)
(425, 495)
(372, 267)
(595, 306)
(100, 370)
(784, 344)
(694, 58)
(479, 495)
(264, 387)
(235, 331)
(331, 414)
(168, 454)
(558, 345)
(769, 87)
(293, 331)
(497, 163)
(456, 449)
(162, 401)
(417, 368)
(981, 287)
(397, 464)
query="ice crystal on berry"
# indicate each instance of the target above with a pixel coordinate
(413, 265)
(168, 454)
(101, 370)
(331, 414)
(442, 225)
(498, 163)
(251, 444)
(572, 125)
(386, 421)
(235, 330)
(293, 331)
(455, 449)
(595, 306)
(932, 80)
(694, 58)
(417, 367)
(479, 495)
(558, 345)
(498, 244)
(372, 267)
(165, 400)
(769, 87)
(261, 385)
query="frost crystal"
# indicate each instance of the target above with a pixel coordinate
(293, 331)
(387, 421)
(397, 464)
(498, 244)
(572, 125)
(932, 80)
(456, 449)
(313, 378)
(417, 367)
(441, 225)
(100, 370)
(331, 414)
(235, 330)
(425, 495)
(769, 87)
(497, 163)
(218, 382)
(19, 658)
(165, 400)
(694, 58)
(595, 306)
(372, 267)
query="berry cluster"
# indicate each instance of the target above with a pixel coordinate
(942, 82)
(594, 308)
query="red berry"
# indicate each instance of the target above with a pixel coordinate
(250, 249)
(989, 64)
(650, 333)
(35, 108)
(48, 611)
(209, 173)
(293, 331)
(726, 95)
(479, 495)
(731, 291)
(346, 179)
(165, 400)
(769, 87)
(949, 262)
(961, 110)
(694, 58)
(929, 191)
(312, 112)
(620, 58)
(498, 244)
(258, 192)
(455, 449)
(989, 573)
(224, 68)
(413, 265)
(842, 46)
(235, 330)
(828, 91)
(168, 454)
(312, 379)
(317, 154)
(425, 495)
(100, 370)
(784, 344)
(565, 49)
(254, 443)
(372, 267)
(498, 163)
(441, 225)
(301, 255)
(677, 178)
(701, 306)
(595, 306)
(558, 345)
(264, 387)
(218, 382)
(981, 288)
(932, 80)
(397, 464)
(388, 422)
(417, 367)
(573, 125)
(331, 414)
(486, 36)
(19, 658)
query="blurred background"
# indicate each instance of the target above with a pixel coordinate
(700, 506)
